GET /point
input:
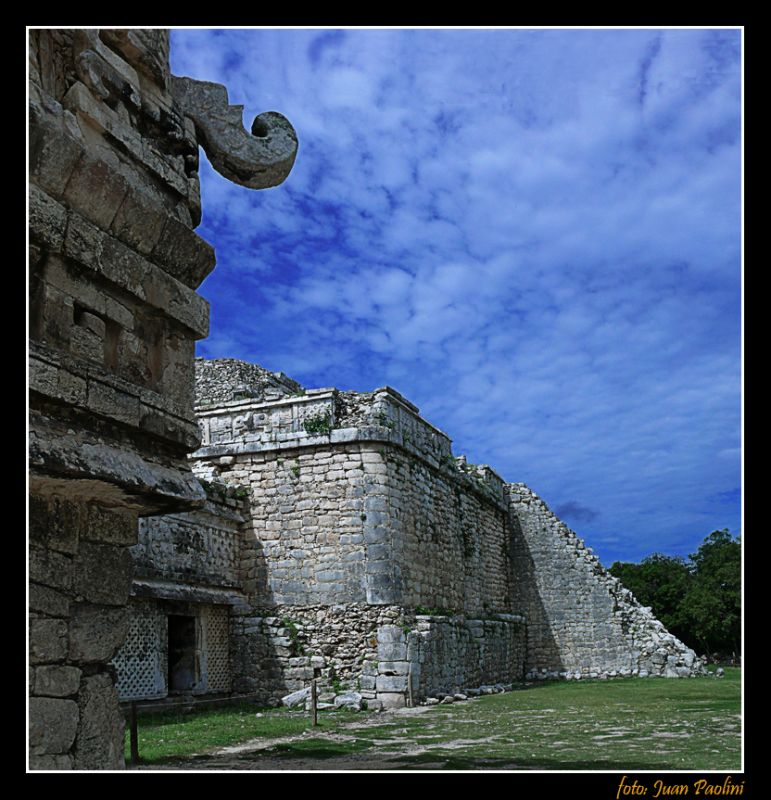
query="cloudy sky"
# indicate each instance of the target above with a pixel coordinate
(534, 235)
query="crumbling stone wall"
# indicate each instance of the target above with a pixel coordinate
(224, 379)
(279, 649)
(581, 621)
(446, 655)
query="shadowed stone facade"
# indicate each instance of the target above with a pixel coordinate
(114, 263)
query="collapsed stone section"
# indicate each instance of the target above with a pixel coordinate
(582, 622)
(221, 380)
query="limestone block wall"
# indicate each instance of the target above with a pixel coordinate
(80, 574)
(356, 498)
(372, 650)
(449, 535)
(581, 622)
(359, 517)
(449, 654)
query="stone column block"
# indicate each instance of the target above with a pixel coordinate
(52, 725)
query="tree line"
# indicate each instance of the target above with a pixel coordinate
(698, 598)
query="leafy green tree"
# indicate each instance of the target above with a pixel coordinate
(712, 607)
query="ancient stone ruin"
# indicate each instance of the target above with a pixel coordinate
(211, 528)
(342, 540)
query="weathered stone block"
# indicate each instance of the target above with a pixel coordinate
(60, 762)
(116, 527)
(379, 535)
(52, 153)
(390, 633)
(392, 651)
(55, 524)
(50, 568)
(96, 632)
(391, 699)
(139, 221)
(58, 315)
(57, 681)
(102, 573)
(43, 600)
(86, 344)
(184, 254)
(52, 725)
(95, 190)
(47, 219)
(100, 738)
(47, 640)
(83, 241)
(113, 403)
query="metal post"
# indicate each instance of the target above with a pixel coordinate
(314, 709)
(133, 735)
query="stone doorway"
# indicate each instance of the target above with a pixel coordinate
(182, 652)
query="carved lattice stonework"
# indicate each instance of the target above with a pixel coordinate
(216, 625)
(141, 662)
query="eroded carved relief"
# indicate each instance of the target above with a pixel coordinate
(257, 160)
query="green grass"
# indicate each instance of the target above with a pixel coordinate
(170, 735)
(633, 724)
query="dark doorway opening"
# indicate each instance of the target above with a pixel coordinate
(182, 672)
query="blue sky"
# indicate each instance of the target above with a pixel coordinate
(534, 235)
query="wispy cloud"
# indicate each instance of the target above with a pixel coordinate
(535, 235)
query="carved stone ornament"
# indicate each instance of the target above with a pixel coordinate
(257, 160)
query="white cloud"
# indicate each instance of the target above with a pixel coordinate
(532, 234)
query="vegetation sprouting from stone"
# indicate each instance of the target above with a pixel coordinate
(318, 424)
(297, 647)
(383, 420)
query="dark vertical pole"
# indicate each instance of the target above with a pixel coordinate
(133, 735)
(314, 710)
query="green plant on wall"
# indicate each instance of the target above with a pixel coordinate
(318, 423)
(296, 646)
(382, 419)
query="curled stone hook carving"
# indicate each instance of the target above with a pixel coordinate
(257, 160)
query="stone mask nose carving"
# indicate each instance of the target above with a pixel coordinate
(257, 160)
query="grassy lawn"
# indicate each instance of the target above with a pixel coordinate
(172, 734)
(632, 724)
